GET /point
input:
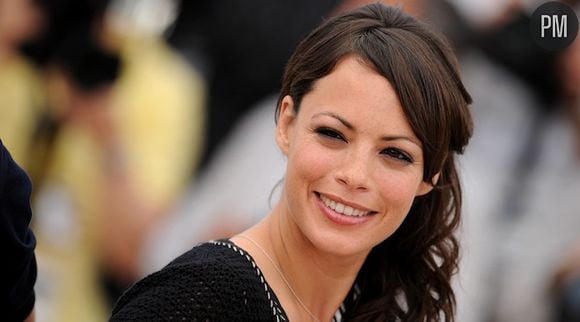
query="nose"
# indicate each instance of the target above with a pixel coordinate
(353, 171)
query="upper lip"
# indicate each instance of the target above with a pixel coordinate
(346, 202)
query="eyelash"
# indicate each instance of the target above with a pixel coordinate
(390, 152)
(397, 154)
(330, 133)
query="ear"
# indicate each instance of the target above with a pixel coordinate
(285, 124)
(426, 187)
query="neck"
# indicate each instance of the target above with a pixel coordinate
(321, 280)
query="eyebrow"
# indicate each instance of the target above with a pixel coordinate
(351, 127)
(343, 121)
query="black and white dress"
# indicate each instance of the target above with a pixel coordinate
(214, 281)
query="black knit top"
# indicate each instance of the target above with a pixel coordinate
(214, 281)
(17, 242)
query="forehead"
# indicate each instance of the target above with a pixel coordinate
(357, 92)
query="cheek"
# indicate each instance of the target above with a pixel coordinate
(398, 190)
(309, 161)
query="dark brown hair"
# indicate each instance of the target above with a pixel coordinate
(406, 277)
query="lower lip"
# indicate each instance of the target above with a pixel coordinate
(340, 218)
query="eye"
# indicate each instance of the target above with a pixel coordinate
(397, 154)
(330, 133)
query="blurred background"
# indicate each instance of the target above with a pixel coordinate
(147, 126)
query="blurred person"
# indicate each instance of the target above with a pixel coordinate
(21, 90)
(356, 118)
(129, 117)
(18, 272)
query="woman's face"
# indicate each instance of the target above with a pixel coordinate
(354, 163)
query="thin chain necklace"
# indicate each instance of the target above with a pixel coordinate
(281, 275)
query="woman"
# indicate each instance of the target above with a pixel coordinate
(371, 115)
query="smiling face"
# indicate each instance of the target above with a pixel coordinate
(354, 163)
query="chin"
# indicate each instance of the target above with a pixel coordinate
(340, 243)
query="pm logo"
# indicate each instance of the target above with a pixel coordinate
(557, 24)
(554, 26)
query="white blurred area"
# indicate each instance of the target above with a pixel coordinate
(481, 12)
(145, 17)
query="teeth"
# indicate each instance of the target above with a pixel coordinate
(348, 211)
(343, 209)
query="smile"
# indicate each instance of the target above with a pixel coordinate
(342, 212)
(342, 208)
